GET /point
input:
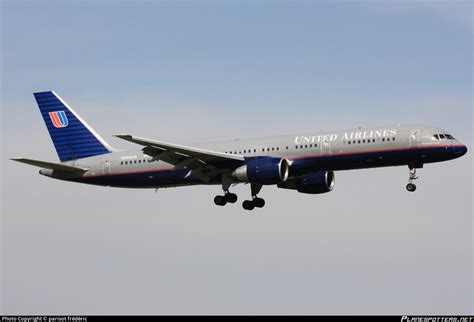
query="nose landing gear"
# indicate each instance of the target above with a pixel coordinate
(411, 187)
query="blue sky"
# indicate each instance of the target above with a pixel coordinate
(197, 71)
(278, 53)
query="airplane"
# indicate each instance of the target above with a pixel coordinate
(302, 162)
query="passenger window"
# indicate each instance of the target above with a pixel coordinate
(255, 150)
(296, 147)
(287, 147)
(358, 141)
(301, 146)
(383, 139)
(363, 141)
(348, 142)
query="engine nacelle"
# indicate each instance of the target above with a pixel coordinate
(263, 170)
(314, 183)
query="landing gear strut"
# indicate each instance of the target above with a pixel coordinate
(256, 201)
(411, 187)
(228, 197)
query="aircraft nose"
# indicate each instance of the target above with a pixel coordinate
(460, 150)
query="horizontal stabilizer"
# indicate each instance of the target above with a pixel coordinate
(50, 165)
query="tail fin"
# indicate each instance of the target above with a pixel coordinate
(73, 138)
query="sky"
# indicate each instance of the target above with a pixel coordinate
(193, 71)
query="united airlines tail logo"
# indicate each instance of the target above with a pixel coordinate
(59, 119)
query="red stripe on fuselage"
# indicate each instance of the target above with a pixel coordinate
(129, 172)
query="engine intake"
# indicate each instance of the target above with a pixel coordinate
(314, 183)
(263, 170)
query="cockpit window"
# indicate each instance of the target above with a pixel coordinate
(443, 136)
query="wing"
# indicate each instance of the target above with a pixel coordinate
(205, 164)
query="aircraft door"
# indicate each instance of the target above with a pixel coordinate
(106, 165)
(414, 138)
(326, 147)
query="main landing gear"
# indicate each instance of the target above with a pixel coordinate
(411, 187)
(228, 197)
(256, 201)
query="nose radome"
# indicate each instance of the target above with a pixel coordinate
(460, 150)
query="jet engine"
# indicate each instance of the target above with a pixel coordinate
(263, 170)
(314, 183)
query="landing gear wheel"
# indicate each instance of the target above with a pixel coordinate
(411, 187)
(259, 202)
(231, 197)
(248, 205)
(220, 200)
